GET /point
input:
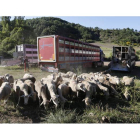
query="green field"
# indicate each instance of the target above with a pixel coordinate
(116, 109)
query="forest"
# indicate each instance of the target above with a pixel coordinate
(21, 31)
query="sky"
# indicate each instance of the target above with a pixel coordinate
(104, 22)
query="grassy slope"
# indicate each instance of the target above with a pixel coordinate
(116, 109)
(107, 48)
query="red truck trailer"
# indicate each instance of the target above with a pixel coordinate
(65, 53)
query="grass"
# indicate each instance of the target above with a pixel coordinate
(115, 109)
(106, 47)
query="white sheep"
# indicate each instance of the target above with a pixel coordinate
(21, 90)
(128, 82)
(5, 91)
(51, 86)
(31, 91)
(63, 90)
(42, 93)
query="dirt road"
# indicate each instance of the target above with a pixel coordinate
(107, 62)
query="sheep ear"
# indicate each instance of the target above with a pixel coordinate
(83, 100)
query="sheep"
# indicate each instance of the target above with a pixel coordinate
(5, 91)
(128, 82)
(107, 84)
(41, 90)
(52, 91)
(52, 85)
(58, 80)
(69, 74)
(75, 86)
(21, 90)
(114, 80)
(90, 91)
(1, 80)
(85, 76)
(64, 75)
(28, 76)
(9, 78)
(31, 89)
(52, 76)
(66, 81)
(63, 90)
(99, 87)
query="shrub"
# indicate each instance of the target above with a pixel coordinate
(61, 116)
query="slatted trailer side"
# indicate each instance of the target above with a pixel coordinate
(65, 53)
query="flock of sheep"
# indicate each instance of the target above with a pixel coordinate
(62, 87)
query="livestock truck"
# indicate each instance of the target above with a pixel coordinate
(59, 52)
(29, 50)
(21, 51)
(123, 58)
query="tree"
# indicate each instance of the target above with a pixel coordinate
(5, 22)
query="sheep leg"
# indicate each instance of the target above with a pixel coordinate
(113, 90)
(39, 100)
(46, 107)
(63, 100)
(77, 93)
(126, 94)
(5, 103)
(104, 89)
(18, 101)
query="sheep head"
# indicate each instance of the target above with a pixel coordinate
(87, 101)
(26, 98)
(128, 81)
(81, 87)
(74, 77)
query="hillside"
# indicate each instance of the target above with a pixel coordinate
(19, 31)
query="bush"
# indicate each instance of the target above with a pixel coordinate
(62, 116)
